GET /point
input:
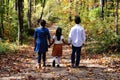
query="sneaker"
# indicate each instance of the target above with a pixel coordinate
(53, 64)
(72, 65)
(58, 65)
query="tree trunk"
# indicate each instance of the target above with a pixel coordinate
(2, 18)
(94, 3)
(20, 21)
(7, 7)
(70, 16)
(35, 2)
(43, 6)
(16, 5)
(29, 14)
(102, 7)
(116, 16)
(2, 27)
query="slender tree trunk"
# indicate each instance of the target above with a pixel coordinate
(20, 21)
(7, 7)
(29, 14)
(70, 17)
(94, 3)
(41, 14)
(116, 16)
(43, 6)
(35, 2)
(2, 18)
(16, 5)
(106, 4)
(102, 7)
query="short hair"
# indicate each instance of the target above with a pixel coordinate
(77, 19)
(43, 23)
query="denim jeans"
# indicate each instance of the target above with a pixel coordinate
(76, 52)
(43, 56)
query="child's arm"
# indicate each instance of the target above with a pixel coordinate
(52, 42)
(49, 40)
(65, 42)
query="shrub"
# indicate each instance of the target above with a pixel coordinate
(7, 47)
(102, 32)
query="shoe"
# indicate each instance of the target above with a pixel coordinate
(58, 65)
(39, 65)
(53, 64)
(44, 65)
(72, 65)
(76, 66)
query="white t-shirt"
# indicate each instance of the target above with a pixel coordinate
(56, 41)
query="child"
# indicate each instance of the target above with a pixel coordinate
(58, 41)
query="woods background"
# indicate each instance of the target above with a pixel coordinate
(100, 18)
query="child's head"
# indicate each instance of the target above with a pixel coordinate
(77, 19)
(43, 23)
(58, 33)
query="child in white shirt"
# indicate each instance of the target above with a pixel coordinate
(58, 40)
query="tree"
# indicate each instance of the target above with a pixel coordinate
(29, 13)
(43, 6)
(7, 5)
(102, 9)
(16, 4)
(20, 21)
(70, 16)
(2, 18)
(116, 16)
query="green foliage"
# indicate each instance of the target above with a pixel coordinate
(94, 14)
(11, 27)
(102, 33)
(113, 44)
(53, 19)
(99, 32)
(7, 47)
(30, 32)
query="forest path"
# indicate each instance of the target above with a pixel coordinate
(23, 66)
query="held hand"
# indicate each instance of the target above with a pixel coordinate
(49, 45)
(68, 43)
(83, 44)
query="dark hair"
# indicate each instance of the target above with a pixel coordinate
(58, 33)
(43, 23)
(77, 19)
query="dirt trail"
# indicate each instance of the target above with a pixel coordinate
(23, 66)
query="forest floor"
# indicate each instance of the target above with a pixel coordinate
(23, 66)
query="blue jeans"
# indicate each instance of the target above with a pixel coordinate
(43, 55)
(76, 50)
